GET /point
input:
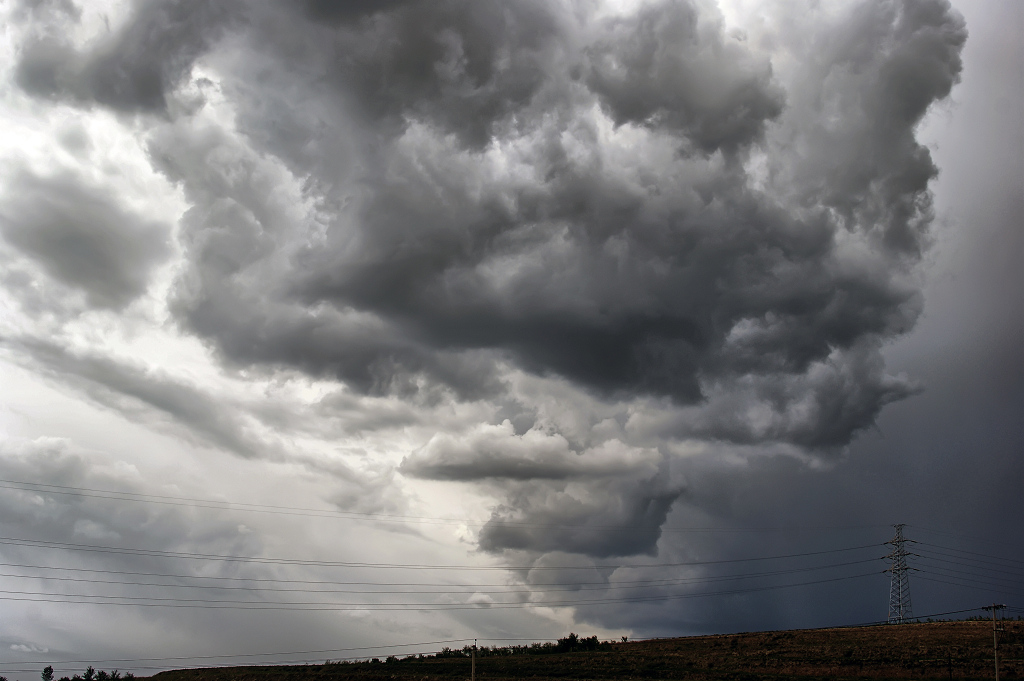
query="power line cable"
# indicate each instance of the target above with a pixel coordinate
(975, 585)
(540, 588)
(1011, 561)
(968, 581)
(392, 607)
(350, 583)
(217, 657)
(877, 623)
(49, 488)
(965, 561)
(967, 538)
(268, 663)
(275, 654)
(245, 579)
(413, 566)
(944, 566)
(161, 599)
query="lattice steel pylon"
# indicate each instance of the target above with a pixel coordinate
(899, 585)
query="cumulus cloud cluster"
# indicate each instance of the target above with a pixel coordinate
(81, 237)
(696, 234)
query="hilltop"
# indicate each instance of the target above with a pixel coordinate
(940, 650)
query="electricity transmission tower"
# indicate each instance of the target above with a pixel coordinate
(899, 585)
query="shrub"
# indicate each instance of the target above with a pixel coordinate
(573, 643)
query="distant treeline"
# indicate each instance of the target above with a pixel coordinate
(570, 644)
(89, 674)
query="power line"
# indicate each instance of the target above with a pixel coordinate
(49, 488)
(967, 581)
(243, 506)
(541, 588)
(968, 538)
(250, 579)
(275, 663)
(994, 560)
(275, 654)
(973, 585)
(247, 602)
(386, 607)
(919, 617)
(972, 573)
(349, 583)
(405, 566)
(217, 657)
(968, 562)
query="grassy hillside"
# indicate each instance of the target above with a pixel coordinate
(959, 650)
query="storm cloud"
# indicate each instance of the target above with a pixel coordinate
(575, 227)
(623, 317)
(496, 452)
(693, 235)
(81, 237)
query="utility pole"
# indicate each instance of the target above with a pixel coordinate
(995, 634)
(473, 662)
(899, 585)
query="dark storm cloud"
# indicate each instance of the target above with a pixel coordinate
(870, 78)
(818, 409)
(664, 67)
(130, 69)
(467, 67)
(621, 516)
(626, 270)
(421, 198)
(241, 232)
(347, 10)
(554, 498)
(82, 237)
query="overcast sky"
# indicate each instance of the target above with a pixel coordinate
(528, 317)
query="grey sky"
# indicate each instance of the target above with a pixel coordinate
(528, 285)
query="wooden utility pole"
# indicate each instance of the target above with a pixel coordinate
(995, 634)
(472, 668)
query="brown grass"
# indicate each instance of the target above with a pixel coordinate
(941, 650)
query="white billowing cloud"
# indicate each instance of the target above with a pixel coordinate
(22, 648)
(496, 452)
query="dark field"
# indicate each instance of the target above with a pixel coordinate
(943, 650)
